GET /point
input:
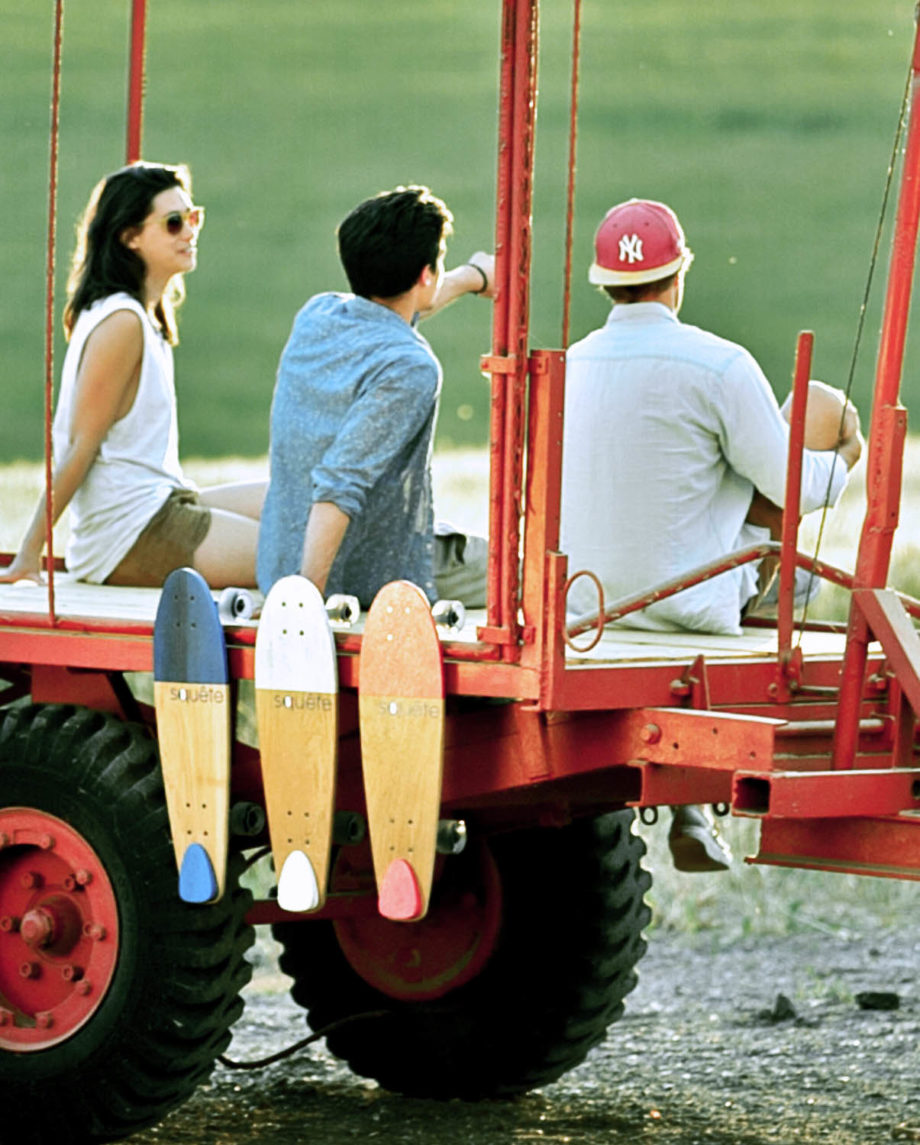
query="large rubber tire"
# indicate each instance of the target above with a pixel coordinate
(154, 1033)
(571, 934)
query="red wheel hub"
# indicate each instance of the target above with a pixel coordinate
(58, 930)
(417, 961)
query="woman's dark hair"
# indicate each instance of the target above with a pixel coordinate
(102, 263)
(386, 242)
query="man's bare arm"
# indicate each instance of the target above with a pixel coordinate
(474, 277)
(325, 531)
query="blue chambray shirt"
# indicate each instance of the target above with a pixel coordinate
(352, 422)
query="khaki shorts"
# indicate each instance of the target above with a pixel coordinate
(461, 565)
(168, 542)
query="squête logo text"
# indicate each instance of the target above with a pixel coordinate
(204, 694)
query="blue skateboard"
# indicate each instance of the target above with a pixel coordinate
(192, 698)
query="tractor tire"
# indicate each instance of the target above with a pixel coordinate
(569, 910)
(115, 997)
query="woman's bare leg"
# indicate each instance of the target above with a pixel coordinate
(242, 497)
(227, 555)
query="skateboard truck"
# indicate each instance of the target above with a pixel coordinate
(343, 609)
(449, 614)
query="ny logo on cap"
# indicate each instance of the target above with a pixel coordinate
(631, 249)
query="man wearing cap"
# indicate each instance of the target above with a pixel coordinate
(669, 433)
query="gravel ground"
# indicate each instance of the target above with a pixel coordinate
(757, 1040)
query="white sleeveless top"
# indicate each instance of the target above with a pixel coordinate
(137, 466)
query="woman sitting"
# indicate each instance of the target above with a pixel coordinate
(134, 515)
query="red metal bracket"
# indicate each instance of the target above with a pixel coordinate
(694, 685)
(498, 363)
(886, 846)
(826, 794)
(891, 626)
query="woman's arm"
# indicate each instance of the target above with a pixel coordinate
(106, 386)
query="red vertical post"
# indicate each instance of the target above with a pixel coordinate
(792, 503)
(570, 190)
(508, 362)
(887, 431)
(136, 80)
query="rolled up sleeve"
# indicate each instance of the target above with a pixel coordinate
(754, 437)
(388, 414)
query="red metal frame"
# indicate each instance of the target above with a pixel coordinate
(580, 737)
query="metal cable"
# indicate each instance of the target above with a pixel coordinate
(889, 179)
(49, 294)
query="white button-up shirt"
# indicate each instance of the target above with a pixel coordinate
(668, 430)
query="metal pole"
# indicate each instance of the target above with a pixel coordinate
(508, 362)
(136, 80)
(786, 599)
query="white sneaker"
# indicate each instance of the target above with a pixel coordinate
(696, 845)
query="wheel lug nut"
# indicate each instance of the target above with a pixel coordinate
(83, 877)
(46, 842)
(71, 973)
(83, 986)
(4, 840)
(31, 880)
(30, 970)
(94, 930)
(9, 923)
(44, 1020)
(6, 1017)
(37, 928)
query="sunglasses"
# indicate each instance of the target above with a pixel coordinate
(174, 223)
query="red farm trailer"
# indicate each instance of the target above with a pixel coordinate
(116, 997)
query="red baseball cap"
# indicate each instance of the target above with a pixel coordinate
(638, 241)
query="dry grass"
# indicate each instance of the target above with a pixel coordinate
(461, 490)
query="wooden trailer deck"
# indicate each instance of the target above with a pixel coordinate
(109, 607)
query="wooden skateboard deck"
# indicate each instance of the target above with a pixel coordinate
(401, 711)
(192, 698)
(296, 681)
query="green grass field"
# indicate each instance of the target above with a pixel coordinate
(767, 127)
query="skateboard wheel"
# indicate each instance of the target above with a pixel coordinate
(235, 604)
(452, 836)
(247, 820)
(449, 614)
(348, 828)
(343, 609)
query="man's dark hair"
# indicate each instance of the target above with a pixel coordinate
(641, 291)
(386, 242)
